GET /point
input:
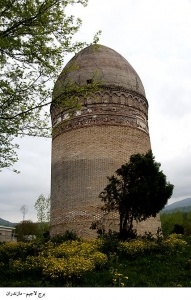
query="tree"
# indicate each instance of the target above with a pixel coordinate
(35, 35)
(26, 230)
(42, 205)
(171, 219)
(24, 210)
(139, 191)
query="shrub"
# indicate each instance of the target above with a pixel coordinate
(109, 242)
(132, 248)
(67, 236)
(74, 266)
(19, 250)
(178, 229)
(73, 259)
(32, 265)
(174, 242)
(66, 261)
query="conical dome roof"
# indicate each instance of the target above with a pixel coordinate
(102, 64)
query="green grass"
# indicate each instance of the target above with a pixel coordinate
(149, 270)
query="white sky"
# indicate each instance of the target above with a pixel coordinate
(155, 37)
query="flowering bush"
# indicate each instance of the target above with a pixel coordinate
(67, 268)
(134, 247)
(73, 258)
(18, 250)
(82, 263)
(67, 260)
(32, 263)
(174, 241)
(139, 246)
(119, 280)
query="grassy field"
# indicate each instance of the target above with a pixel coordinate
(104, 262)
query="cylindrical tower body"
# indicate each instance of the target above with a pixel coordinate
(91, 144)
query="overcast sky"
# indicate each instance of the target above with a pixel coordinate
(155, 37)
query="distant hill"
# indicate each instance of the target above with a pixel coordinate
(7, 223)
(182, 205)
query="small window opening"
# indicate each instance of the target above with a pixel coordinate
(89, 81)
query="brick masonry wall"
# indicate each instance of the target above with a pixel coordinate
(81, 161)
(90, 143)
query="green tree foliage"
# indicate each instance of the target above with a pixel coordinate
(42, 205)
(26, 230)
(35, 35)
(139, 191)
(170, 221)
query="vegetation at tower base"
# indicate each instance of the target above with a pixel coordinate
(140, 262)
(35, 35)
(139, 191)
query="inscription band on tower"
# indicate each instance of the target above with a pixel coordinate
(109, 106)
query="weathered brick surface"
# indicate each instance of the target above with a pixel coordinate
(81, 161)
(102, 64)
(94, 143)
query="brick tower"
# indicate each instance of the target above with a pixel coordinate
(88, 146)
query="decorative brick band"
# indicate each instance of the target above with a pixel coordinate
(109, 107)
(100, 120)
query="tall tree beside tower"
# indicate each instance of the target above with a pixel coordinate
(35, 36)
(138, 191)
